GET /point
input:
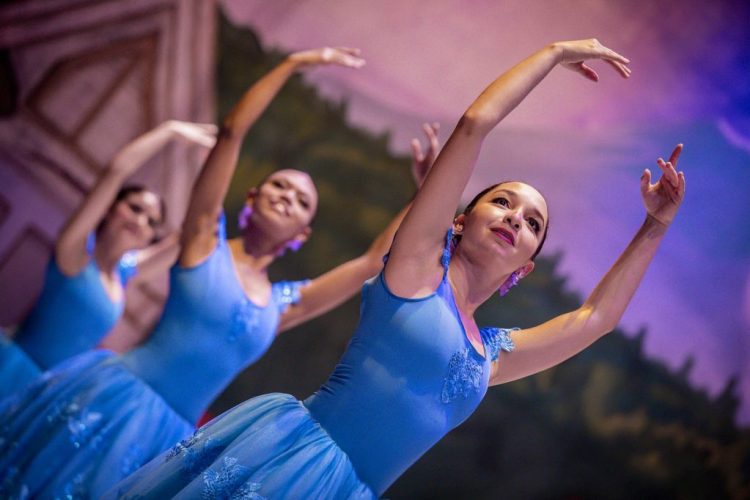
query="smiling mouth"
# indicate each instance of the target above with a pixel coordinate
(505, 235)
(280, 207)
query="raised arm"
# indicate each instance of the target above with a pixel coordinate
(411, 271)
(70, 249)
(199, 227)
(559, 339)
(340, 283)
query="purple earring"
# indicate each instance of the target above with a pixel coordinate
(294, 245)
(509, 283)
(244, 216)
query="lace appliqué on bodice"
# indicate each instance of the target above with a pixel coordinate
(229, 483)
(245, 317)
(464, 376)
(465, 373)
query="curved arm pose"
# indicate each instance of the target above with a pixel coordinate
(278, 213)
(417, 365)
(222, 313)
(110, 235)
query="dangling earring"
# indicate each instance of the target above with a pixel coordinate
(292, 245)
(509, 283)
(244, 216)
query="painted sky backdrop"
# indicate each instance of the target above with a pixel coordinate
(584, 145)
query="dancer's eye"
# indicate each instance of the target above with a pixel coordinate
(535, 224)
(136, 209)
(501, 201)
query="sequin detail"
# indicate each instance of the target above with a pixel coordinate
(83, 426)
(75, 489)
(445, 259)
(196, 454)
(181, 447)
(245, 317)
(287, 293)
(128, 266)
(464, 376)
(229, 483)
(497, 339)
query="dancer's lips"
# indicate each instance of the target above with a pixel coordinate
(504, 235)
(280, 207)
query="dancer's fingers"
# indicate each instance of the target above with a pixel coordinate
(675, 155)
(611, 54)
(350, 50)
(667, 171)
(645, 181)
(619, 67)
(588, 72)
(416, 151)
(432, 138)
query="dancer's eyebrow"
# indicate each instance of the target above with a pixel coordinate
(534, 210)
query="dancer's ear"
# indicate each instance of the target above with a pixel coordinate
(525, 270)
(458, 224)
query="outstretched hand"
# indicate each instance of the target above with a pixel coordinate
(573, 55)
(342, 56)
(664, 198)
(421, 161)
(202, 134)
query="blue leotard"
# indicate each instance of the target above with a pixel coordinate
(72, 315)
(94, 419)
(209, 332)
(408, 376)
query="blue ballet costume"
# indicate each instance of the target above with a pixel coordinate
(89, 422)
(408, 376)
(71, 316)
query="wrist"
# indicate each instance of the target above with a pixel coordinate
(295, 60)
(556, 50)
(656, 223)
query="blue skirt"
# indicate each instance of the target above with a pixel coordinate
(267, 447)
(17, 370)
(80, 428)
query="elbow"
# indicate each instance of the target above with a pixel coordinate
(474, 122)
(373, 263)
(229, 130)
(599, 322)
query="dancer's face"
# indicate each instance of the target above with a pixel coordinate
(135, 219)
(505, 227)
(287, 200)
